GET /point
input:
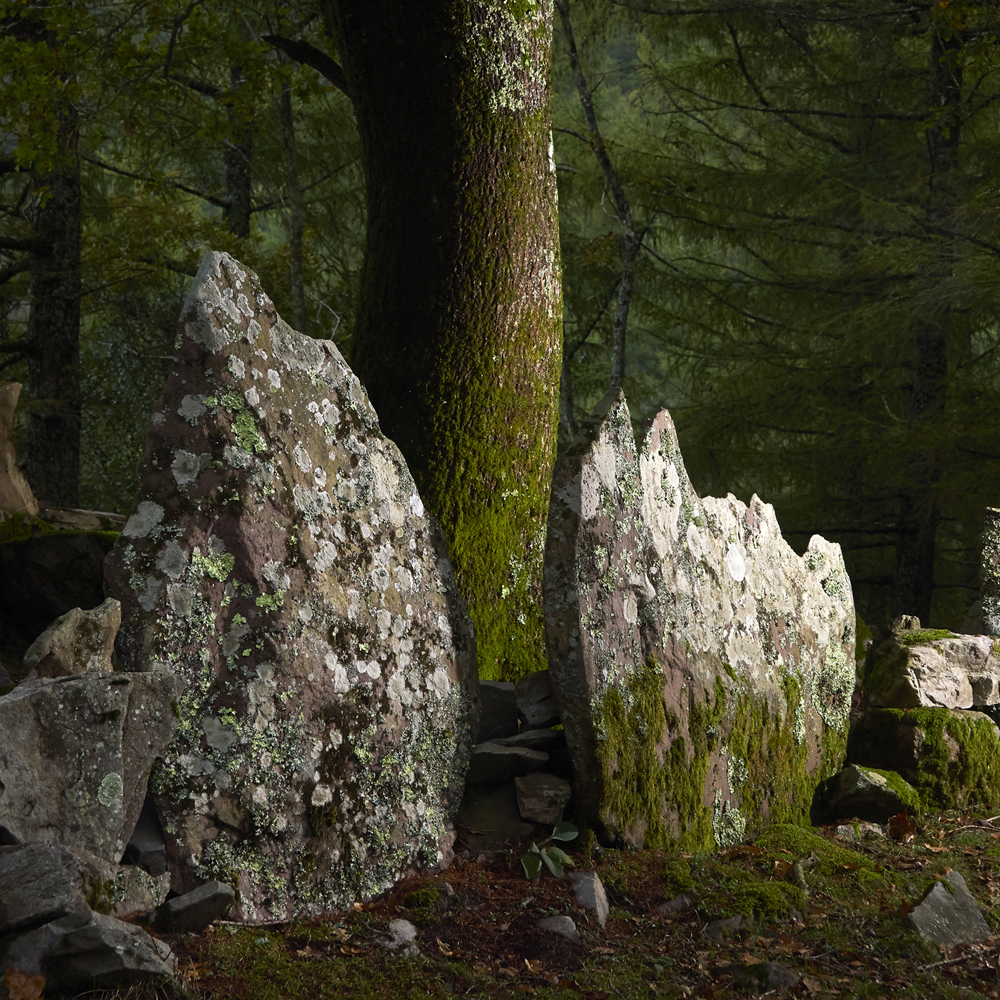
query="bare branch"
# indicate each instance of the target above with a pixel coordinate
(309, 55)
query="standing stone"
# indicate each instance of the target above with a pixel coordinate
(280, 562)
(704, 670)
(78, 642)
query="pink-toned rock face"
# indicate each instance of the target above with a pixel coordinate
(282, 564)
(704, 670)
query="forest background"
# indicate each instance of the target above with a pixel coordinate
(781, 219)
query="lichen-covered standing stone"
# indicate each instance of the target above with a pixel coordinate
(281, 563)
(704, 670)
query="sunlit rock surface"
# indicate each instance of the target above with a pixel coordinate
(704, 669)
(281, 563)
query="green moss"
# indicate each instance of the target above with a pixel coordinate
(767, 761)
(908, 796)
(677, 876)
(422, 899)
(923, 636)
(20, 527)
(100, 894)
(799, 841)
(864, 634)
(218, 566)
(946, 780)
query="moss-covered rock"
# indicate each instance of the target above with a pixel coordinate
(704, 670)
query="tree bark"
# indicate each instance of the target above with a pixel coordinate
(920, 515)
(54, 405)
(236, 160)
(458, 335)
(294, 212)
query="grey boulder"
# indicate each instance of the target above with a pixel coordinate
(541, 797)
(84, 950)
(75, 753)
(196, 909)
(589, 891)
(948, 915)
(78, 642)
(38, 883)
(537, 706)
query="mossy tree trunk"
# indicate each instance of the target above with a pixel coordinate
(458, 336)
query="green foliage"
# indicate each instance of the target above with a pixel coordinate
(554, 858)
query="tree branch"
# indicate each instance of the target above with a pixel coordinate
(309, 55)
(218, 202)
(13, 243)
(13, 270)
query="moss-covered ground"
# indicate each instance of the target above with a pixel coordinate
(825, 908)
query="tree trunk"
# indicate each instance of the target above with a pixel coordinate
(294, 212)
(913, 581)
(458, 332)
(54, 332)
(236, 160)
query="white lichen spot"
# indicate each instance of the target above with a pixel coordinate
(236, 366)
(191, 409)
(341, 683)
(274, 378)
(110, 790)
(237, 458)
(274, 574)
(302, 459)
(146, 517)
(735, 564)
(322, 795)
(416, 506)
(326, 556)
(172, 560)
(251, 395)
(185, 467)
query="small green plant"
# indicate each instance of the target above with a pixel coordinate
(555, 858)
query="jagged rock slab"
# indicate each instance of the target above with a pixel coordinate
(541, 798)
(78, 642)
(86, 950)
(75, 753)
(949, 917)
(281, 563)
(676, 628)
(916, 668)
(562, 925)
(498, 714)
(38, 883)
(863, 793)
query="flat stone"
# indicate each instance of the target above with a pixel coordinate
(280, 562)
(38, 883)
(195, 910)
(722, 928)
(545, 740)
(86, 950)
(86, 788)
(562, 925)
(589, 891)
(537, 705)
(492, 763)
(498, 714)
(658, 600)
(949, 917)
(78, 642)
(541, 797)
(863, 793)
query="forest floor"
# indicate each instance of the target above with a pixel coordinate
(729, 913)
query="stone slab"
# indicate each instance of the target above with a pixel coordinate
(280, 562)
(949, 916)
(665, 612)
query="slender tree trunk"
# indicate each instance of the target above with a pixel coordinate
(294, 214)
(54, 405)
(236, 160)
(630, 240)
(913, 582)
(458, 335)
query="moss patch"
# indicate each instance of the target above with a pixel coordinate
(923, 636)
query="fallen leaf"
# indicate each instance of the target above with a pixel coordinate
(305, 952)
(603, 950)
(902, 828)
(21, 986)
(443, 948)
(937, 850)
